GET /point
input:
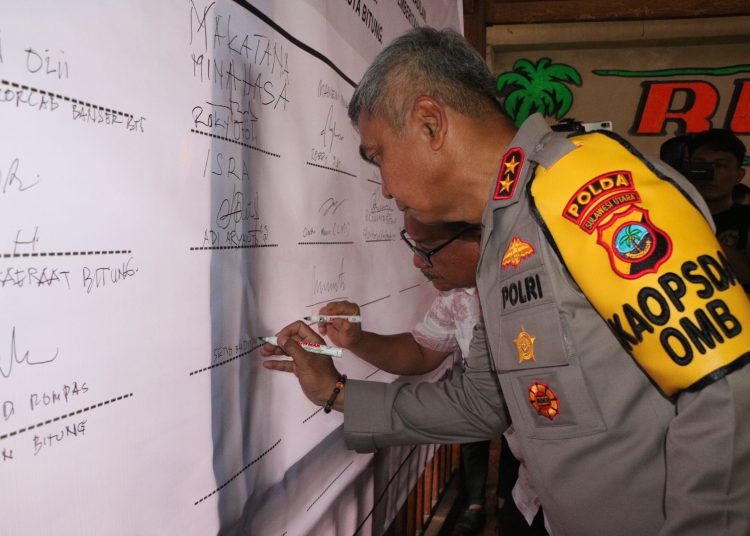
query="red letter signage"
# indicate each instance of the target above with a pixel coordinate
(655, 109)
(738, 114)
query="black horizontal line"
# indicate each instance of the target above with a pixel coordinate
(381, 240)
(204, 248)
(331, 169)
(237, 474)
(67, 253)
(63, 97)
(313, 415)
(251, 350)
(329, 485)
(65, 416)
(375, 182)
(374, 301)
(299, 44)
(328, 300)
(409, 288)
(224, 138)
(321, 243)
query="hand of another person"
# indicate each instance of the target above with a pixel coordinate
(341, 332)
(316, 373)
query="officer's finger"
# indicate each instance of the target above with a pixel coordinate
(300, 331)
(340, 308)
(283, 366)
(267, 350)
(340, 324)
(292, 348)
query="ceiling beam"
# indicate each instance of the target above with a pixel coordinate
(538, 11)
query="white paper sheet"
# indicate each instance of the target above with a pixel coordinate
(176, 178)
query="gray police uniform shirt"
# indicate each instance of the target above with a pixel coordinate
(606, 452)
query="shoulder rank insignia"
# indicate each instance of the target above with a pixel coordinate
(508, 175)
(544, 400)
(525, 346)
(517, 251)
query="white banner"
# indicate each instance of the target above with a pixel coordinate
(176, 179)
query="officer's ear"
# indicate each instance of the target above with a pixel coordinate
(429, 116)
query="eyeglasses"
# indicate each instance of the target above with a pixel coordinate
(426, 255)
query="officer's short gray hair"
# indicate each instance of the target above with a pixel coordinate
(424, 62)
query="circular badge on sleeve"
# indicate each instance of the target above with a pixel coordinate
(544, 400)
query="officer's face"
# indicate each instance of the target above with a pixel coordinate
(455, 265)
(408, 167)
(727, 173)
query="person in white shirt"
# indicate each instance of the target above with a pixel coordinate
(447, 255)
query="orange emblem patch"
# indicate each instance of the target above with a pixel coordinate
(525, 346)
(544, 400)
(517, 251)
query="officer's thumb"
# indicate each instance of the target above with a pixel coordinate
(291, 348)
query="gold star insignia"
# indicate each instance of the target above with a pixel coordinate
(511, 165)
(505, 185)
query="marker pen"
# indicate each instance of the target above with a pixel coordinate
(309, 346)
(354, 319)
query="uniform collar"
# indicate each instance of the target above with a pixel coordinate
(524, 143)
(536, 143)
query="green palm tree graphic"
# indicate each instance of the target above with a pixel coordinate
(631, 236)
(537, 88)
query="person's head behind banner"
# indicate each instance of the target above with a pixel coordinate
(446, 253)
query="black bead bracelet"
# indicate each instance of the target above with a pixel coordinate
(336, 390)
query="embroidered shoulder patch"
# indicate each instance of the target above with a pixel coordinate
(525, 346)
(635, 245)
(507, 177)
(516, 252)
(646, 259)
(544, 400)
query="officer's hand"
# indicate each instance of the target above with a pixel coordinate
(341, 332)
(299, 331)
(316, 373)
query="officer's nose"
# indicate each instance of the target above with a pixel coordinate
(384, 190)
(419, 262)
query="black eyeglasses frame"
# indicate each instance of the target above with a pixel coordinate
(427, 255)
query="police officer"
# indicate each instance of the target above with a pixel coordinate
(612, 322)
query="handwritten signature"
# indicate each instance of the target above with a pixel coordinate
(6, 364)
(330, 206)
(329, 132)
(336, 283)
(12, 179)
(237, 210)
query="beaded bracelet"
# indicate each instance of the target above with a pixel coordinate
(336, 390)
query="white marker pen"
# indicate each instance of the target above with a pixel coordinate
(309, 346)
(354, 319)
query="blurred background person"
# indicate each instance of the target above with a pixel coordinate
(723, 153)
